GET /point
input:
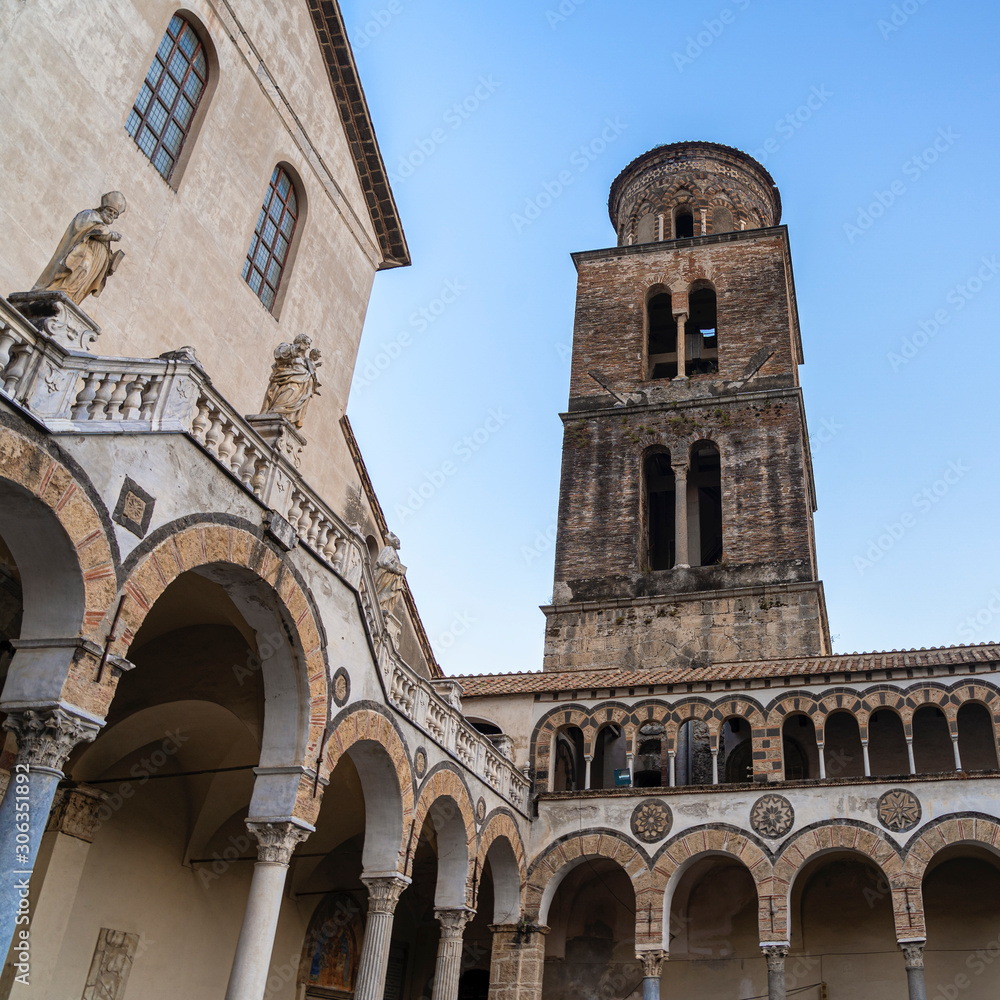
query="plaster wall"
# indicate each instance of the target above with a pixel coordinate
(69, 74)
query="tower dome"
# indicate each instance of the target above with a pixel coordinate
(691, 189)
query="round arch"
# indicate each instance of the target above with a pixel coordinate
(269, 594)
(500, 843)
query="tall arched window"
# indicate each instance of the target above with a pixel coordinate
(169, 97)
(646, 229)
(660, 507)
(705, 506)
(272, 238)
(722, 220)
(702, 343)
(683, 224)
(662, 341)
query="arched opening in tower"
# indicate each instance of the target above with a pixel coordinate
(661, 498)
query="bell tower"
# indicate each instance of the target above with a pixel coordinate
(685, 530)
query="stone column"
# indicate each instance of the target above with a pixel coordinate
(681, 518)
(76, 816)
(681, 319)
(868, 763)
(715, 765)
(448, 970)
(630, 761)
(384, 891)
(652, 968)
(909, 754)
(913, 955)
(588, 761)
(659, 226)
(821, 748)
(46, 735)
(276, 840)
(672, 757)
(775, 955)
(958, 755)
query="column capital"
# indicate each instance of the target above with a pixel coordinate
(277, 839)
(913, 952)
(453, 920)
(76, 811)
(384, 891)
(47, 734)
(775, 952)
(652, 962)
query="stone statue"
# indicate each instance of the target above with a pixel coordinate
(389, 574)
(84, 261)
(293, 380)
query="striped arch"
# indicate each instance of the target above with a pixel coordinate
(445, 787)
(792, 703)
(229, 543)
(678, 855)
(824, 838)
(737, 707)
(373, 725)
(543, 736)
(690, 710)
(884, 696)
(974, 692)
(89, 537)
(500, 828)
(549, 869)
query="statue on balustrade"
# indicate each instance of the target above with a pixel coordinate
(84, 260)
(293, 380)
(389, 574)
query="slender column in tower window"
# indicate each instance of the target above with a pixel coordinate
(272, 238)
(660, 517)
(169, 96)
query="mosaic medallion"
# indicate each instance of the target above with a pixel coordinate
(899, 810)
(651, 821)
(420, 762)
(772, 816)
(341, 687)
(480, 810)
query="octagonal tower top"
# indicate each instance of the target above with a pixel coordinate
(691, 189)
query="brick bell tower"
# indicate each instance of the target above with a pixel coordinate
(685, 533)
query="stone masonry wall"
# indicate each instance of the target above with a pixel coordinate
(689, 630)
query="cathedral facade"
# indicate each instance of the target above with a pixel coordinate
(233, 767)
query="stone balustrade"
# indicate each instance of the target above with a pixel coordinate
(43, 371)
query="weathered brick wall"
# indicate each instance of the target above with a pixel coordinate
(689, 630)
(749, 272)
(766, 496)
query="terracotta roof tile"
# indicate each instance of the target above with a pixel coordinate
(798, 668)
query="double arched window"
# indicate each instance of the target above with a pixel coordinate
(699, 351)
(683, 508)
(164, 109)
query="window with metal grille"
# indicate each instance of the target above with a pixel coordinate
(271, 239)
(169, 96)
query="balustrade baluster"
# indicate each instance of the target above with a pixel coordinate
(99, 406)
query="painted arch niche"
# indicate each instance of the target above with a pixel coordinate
(332, 949)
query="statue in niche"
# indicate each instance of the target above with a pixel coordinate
(84, 260)
(389, 574)
(293, 380)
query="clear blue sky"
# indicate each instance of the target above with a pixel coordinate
(893, 410)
